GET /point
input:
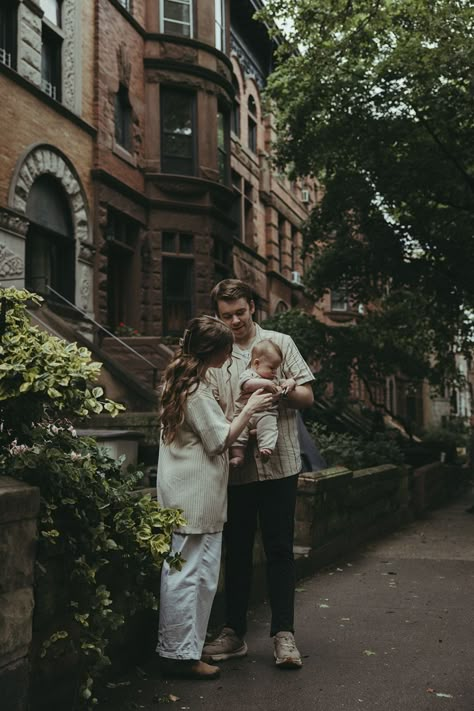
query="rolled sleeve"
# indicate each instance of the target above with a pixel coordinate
(207, 420)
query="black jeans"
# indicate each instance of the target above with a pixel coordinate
(271, 503)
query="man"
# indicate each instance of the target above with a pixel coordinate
(263, 491)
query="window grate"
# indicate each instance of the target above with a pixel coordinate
(5, 57)
(48, 88)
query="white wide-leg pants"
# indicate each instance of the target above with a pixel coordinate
(186, 595)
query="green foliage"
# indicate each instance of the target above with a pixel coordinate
(41, 374)
(342, 449)
(375, 100)
(364, 348)
(101, 544)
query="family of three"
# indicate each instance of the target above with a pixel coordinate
(229, 376)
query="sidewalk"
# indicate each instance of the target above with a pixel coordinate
(390, 628)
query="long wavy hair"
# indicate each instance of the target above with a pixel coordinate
(204, 337)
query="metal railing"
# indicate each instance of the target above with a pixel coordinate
(99, 326)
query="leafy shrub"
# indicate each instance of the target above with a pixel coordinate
(353, 452)
(101, 544)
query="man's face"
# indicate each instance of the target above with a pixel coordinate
(237, 315)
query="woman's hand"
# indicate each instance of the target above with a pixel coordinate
(258, 401)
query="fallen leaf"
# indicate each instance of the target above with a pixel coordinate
(444, 696)
(323, 605)
(300, 589)
(172, 697)
(369, 653)
(112, 685)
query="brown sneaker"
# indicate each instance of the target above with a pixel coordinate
(286, 652)
(227, 645)
(188, 669)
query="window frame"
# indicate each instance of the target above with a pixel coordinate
(219, 25)
(163, 19)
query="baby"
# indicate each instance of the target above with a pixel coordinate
(265, 359)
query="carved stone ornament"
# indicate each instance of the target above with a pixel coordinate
(46, 159)
(124, 65)
(248, 65)
(11, 265)
(16, 224)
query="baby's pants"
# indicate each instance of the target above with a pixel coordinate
(266, 424)
(186, 595)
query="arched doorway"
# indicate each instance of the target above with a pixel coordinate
(50, 245)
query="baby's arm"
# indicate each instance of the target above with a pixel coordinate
(253, 384)
(287, 385)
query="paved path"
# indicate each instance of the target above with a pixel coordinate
(390, 628)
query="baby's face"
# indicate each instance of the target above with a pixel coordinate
(267, 365)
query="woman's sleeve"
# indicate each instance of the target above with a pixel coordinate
(207, 420)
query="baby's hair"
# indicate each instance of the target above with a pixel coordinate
(264, 347)
(204, 336)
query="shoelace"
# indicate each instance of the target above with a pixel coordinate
(287, 644)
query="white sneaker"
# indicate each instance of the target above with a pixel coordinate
(227, 645)
(286, 652)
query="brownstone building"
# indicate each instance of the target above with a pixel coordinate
(135, 172)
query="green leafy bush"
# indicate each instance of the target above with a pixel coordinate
(343, 449)
(101, 544)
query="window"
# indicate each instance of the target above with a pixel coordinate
(177, 131)
(8, 33)
(220, 24)
(339, 300)
(223, 147)
(123, 118)
(52, 11)
(177, 17)
(281, 308)
(122, 239)
(50, 245)
(235, 113)
(222, 255)
(179, 243)
(252, 125)
(178, 281)
(281, 242)
(51, 63)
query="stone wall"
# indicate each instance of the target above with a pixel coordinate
(19, 506)
(337, 509)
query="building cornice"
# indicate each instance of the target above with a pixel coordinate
(170, 65)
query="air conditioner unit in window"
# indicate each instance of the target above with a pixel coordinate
(296, 278)
(305, 196)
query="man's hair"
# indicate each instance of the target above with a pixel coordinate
(230, 290)
(265, 346)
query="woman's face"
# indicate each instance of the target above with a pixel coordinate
(218, 358)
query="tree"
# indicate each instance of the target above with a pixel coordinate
(374, 98)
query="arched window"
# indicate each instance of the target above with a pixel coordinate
(281, 308)
(50, 246)
(252, 124)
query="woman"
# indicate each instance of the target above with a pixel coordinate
(192, 476)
